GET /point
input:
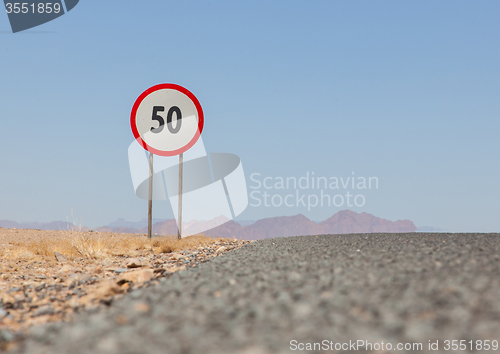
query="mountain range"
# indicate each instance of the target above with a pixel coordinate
(54, 225)
(343, 222)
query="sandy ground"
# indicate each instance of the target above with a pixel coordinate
(48, 276)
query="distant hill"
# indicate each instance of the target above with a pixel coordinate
(54, 225)
(347, 222)
(131, 224)
(245, 222)
(343, 222)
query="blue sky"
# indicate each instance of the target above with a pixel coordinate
(404, 91)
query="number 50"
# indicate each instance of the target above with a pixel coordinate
(161, 121)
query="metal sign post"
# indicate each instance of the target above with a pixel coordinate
(179, 209)
(150, 201)
(166, 120)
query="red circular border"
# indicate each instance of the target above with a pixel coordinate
(147, 93)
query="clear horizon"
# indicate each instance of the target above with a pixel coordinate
(404, 92)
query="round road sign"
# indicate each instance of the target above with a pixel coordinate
(167, 119)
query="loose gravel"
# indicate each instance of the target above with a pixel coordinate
(395, 288)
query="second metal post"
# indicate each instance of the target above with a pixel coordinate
(179, 209)
(150, 197)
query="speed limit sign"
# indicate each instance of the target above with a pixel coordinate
(167, 120)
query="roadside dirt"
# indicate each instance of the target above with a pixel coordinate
(48, 276)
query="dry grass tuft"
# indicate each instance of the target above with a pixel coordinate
(101, 245)
(90, 246)
(171, 244)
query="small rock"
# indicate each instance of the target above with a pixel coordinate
(6, 335)
(294, 277)
(59, 257)
(19, 297)
(174, 269)
(121, 319)
(105, 289)
(107, 262)
(108, 345)
(142, 307)
(120, 270)
(132, 263)
(177, 256)
(220, 249)
(138, 276)
(302, 310)
(66, 269)
(76, 278)
(3, 313)
(31, 284)
(47, 310)
(12, 290)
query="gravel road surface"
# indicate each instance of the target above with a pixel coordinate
(276, 295)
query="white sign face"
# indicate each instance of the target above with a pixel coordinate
(167, 120)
